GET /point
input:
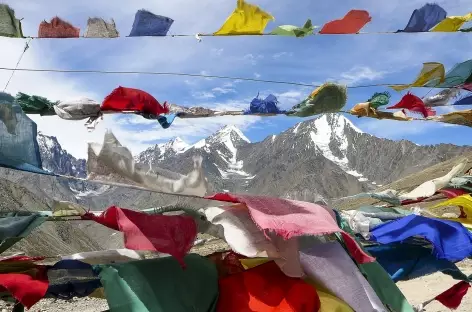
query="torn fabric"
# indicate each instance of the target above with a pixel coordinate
(414, 104)
(351, 23)
(246, 19)
(328, 98)
(99, 28)
(431, 71)
(128, 99)
(57, 28)
(425, 18)
(452, 23)
(114, 162)
(173, 235)
(295, 31)
(10, 26)
(149, 24)
(442, 98)
(290, 218)
(161, 285)
(379, 99)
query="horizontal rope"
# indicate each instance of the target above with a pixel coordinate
(315, 34)
(91, 71)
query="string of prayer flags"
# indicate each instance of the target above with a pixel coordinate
(414, 104)
(149, 24)
(10, 26)
(290, 30)
(246, 19)
(328, 98)
(351, 23)
(57, 28)
(464, 101)
(172, 235)
(99, 28)
(452, 23)
(431, 71)
(424, 18)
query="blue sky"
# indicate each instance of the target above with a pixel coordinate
(354, 60)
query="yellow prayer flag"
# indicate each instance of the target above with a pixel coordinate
(465, 201)
(452, 23)
(430, 71)
(462, 118)
(246, 19)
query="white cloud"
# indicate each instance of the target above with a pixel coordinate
(360, 73)
(253, 58)
(217, 52)
(223, 90)
(280, 54)
(257, 75)
(203, 95)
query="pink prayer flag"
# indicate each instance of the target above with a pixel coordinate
(289, 218)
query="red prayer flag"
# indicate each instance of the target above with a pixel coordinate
(173, 235)
(452, 193)
(415, 104)
(266, 289)
(128, 99)
(351, 23)
(25, 288)
(452, 297)
(57, 28)
(289, 218)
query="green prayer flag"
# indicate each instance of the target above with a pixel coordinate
(161, 285)
(10, 26)
(379, 99)
(14, 226)
(290, 30)
(328, 98)
(33, 104)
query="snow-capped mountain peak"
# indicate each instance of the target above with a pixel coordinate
(177, 145)
(228, 132)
